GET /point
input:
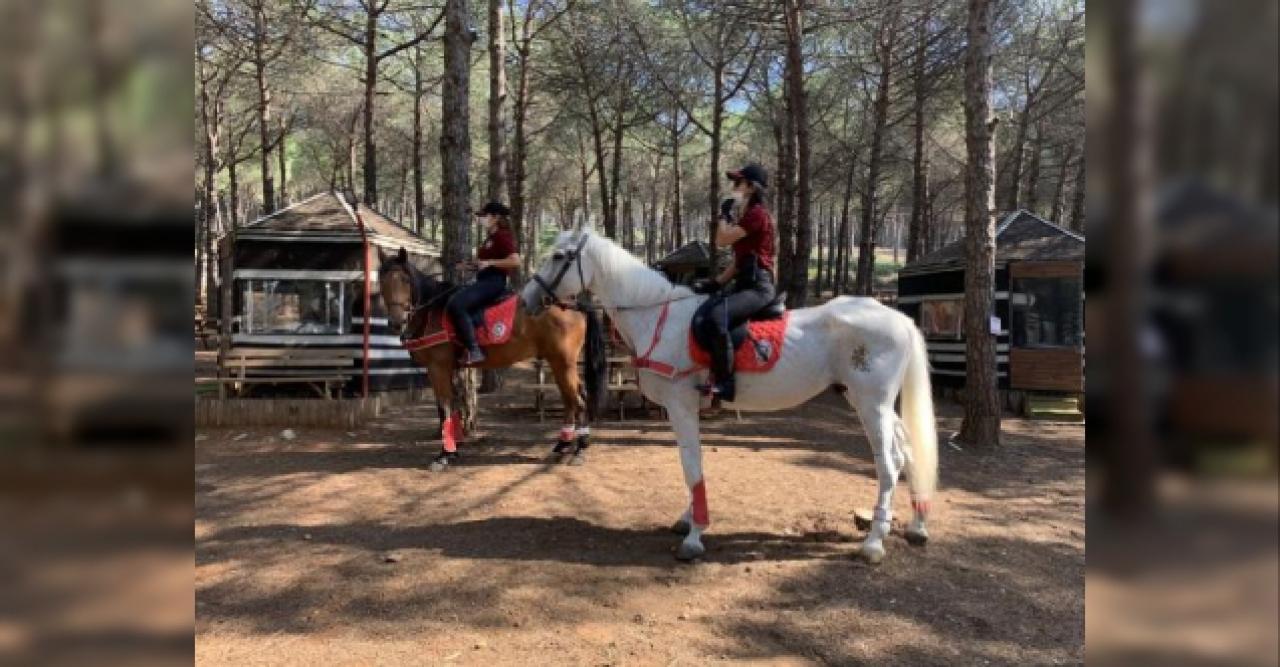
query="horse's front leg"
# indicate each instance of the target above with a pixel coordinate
(451, 420)
(696, 519)
(566, 450)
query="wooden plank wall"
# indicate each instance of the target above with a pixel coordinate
(1048, 369)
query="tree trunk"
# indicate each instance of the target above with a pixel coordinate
(455, 138)
(597, 139)
(1131, 453)
(370, 92)
(1060, 189)
(784, 140)
(800, 119)
(233, 184)
(282, 199)
(519, 149)
(497, 103)
(867, 245)
(615, 168)
(981, 426)
(209, 118)
(920, 157)
(713, 183)
(264, 106)
(842, 264)
(1030, 198)
(677, 219)
(1014, 182)
(419, 177)
(1077, 199)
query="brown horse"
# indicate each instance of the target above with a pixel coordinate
(415, 307)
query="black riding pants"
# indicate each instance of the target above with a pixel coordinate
(485, 291)
(720, 315)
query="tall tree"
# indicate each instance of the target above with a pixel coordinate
(885, 43)
(797, 104)
(981, 425)
(538, 16)
(1128, 156)
(361, 24)
(497, 104)
(260, 33)
(455, 138)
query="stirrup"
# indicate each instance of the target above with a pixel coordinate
(472, 357)
(724, 391)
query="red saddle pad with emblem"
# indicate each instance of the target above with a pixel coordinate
(499, 321)
(758, 353)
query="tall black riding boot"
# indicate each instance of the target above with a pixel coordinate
(722, 366)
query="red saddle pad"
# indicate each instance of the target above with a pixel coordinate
(762, 337)
(499, 322)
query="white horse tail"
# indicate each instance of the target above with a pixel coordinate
(917, 415)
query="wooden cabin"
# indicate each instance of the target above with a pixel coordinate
(1039, 305)
(301, 276)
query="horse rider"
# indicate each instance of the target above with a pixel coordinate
(497, 258)
(747, 283)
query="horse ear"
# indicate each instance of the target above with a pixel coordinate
(382, 256)
(403, 255)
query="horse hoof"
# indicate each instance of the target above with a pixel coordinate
(873, 554)
(916, 538)
(577, 460)
(439, 465)
(689, 552)
(681, 527)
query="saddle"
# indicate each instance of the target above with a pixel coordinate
(765, 329)
(493, 324)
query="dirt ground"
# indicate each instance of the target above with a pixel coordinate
(342, 548)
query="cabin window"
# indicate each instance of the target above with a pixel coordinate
(293, 307)
(942, 318)
(1047, 312)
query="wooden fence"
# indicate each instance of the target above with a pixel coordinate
(338, 413)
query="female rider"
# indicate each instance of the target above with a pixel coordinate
(749, 279)
(497, 259)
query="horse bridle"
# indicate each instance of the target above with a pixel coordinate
(414, 298)
(570, 258)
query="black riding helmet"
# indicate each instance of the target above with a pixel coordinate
(493, 208)
(753, 172)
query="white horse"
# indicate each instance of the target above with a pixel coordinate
(858, 344)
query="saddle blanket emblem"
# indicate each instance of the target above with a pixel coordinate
(758, 353)
(499, 321)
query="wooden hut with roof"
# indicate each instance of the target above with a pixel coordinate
(1039, 307)
(304, 304)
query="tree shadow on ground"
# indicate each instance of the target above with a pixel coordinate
(965, 602)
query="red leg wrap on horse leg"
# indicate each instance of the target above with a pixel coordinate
(451, 432)
(700, 514)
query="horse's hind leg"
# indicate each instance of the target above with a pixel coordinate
(880, 422)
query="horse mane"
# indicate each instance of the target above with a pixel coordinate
(632, 281)
(425, 286)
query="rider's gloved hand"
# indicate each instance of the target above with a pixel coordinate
(726, 210)
(705, 286)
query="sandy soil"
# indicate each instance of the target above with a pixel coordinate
(342, 548)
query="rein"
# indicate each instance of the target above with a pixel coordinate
(643, 361)
(571, 258)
